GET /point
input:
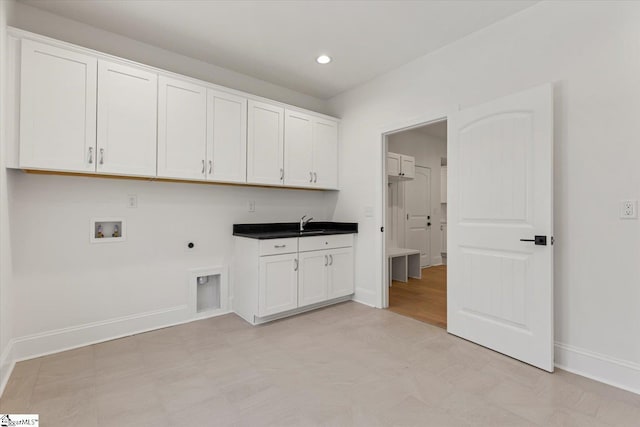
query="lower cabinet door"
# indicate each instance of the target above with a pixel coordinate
(278, 287)
(340, 271)
(312, 280)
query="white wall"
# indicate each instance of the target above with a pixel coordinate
(58, 290)
(61, 280)
(42, 22)
(5, 250)
(427, 150)
(590, 50)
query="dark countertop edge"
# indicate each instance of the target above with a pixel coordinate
(282, 230)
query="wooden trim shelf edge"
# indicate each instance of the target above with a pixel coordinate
(184, 181)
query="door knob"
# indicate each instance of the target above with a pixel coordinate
(537, 240)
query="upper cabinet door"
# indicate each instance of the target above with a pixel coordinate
(393, 164)
(325, 153)
(408, 167)
(57, 109)
(265, 144)
(298, 149)
(127, 119)
(226, 137)
(182, 129)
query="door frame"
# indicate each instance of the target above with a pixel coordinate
(382, 190)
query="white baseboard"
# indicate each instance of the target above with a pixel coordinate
(617, 373)
(37, 345)
(42, 344)
(58, 340)
(366, 297)
(6, 366)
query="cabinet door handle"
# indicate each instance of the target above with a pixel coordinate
(326, 260)
(331, 257)
(102, 156)
(281, 174)
(279, 246)
(90, 155)
(315, 177)
(310, 176)
(210, 166)
(295, 261)
(203, 166)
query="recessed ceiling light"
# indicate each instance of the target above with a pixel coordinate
(323, 59)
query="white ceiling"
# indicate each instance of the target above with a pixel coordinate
(278, 41)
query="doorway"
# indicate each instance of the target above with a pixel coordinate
(416, 222)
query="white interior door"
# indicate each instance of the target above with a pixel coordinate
(417, 202)
(500, 175)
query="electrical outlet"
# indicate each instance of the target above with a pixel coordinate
(132, 201)
(629, 209)
(252, 205)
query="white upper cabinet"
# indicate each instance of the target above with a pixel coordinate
(393, 164)
(311, 151)
(298, 149)
(57, 109)
(182, 129)
(77, 110)
(265, 144)
(400, 166)
(127, 119)
(408, 167)
(325, 153)
(226, 137)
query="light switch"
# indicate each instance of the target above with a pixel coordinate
(132, 201)
(368, 211)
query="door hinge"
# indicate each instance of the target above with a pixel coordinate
(382, 229)
(552, 240)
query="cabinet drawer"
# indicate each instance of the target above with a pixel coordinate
(314, 243)
(278, 246)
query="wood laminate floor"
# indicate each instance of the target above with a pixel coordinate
(346, 365)
(423, 299)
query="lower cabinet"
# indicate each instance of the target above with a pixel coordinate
(325, 275)
(312, 279)
(278, 276)
(278, 288)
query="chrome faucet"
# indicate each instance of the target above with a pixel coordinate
(304, 222)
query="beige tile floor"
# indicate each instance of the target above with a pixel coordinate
(346, 365)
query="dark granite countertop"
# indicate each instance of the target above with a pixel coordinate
(280, 230)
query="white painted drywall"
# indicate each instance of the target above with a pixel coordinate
(60, 291)
(62, 280)
(41, 22)
(5, 250)
(427, 150)
(591, 51)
